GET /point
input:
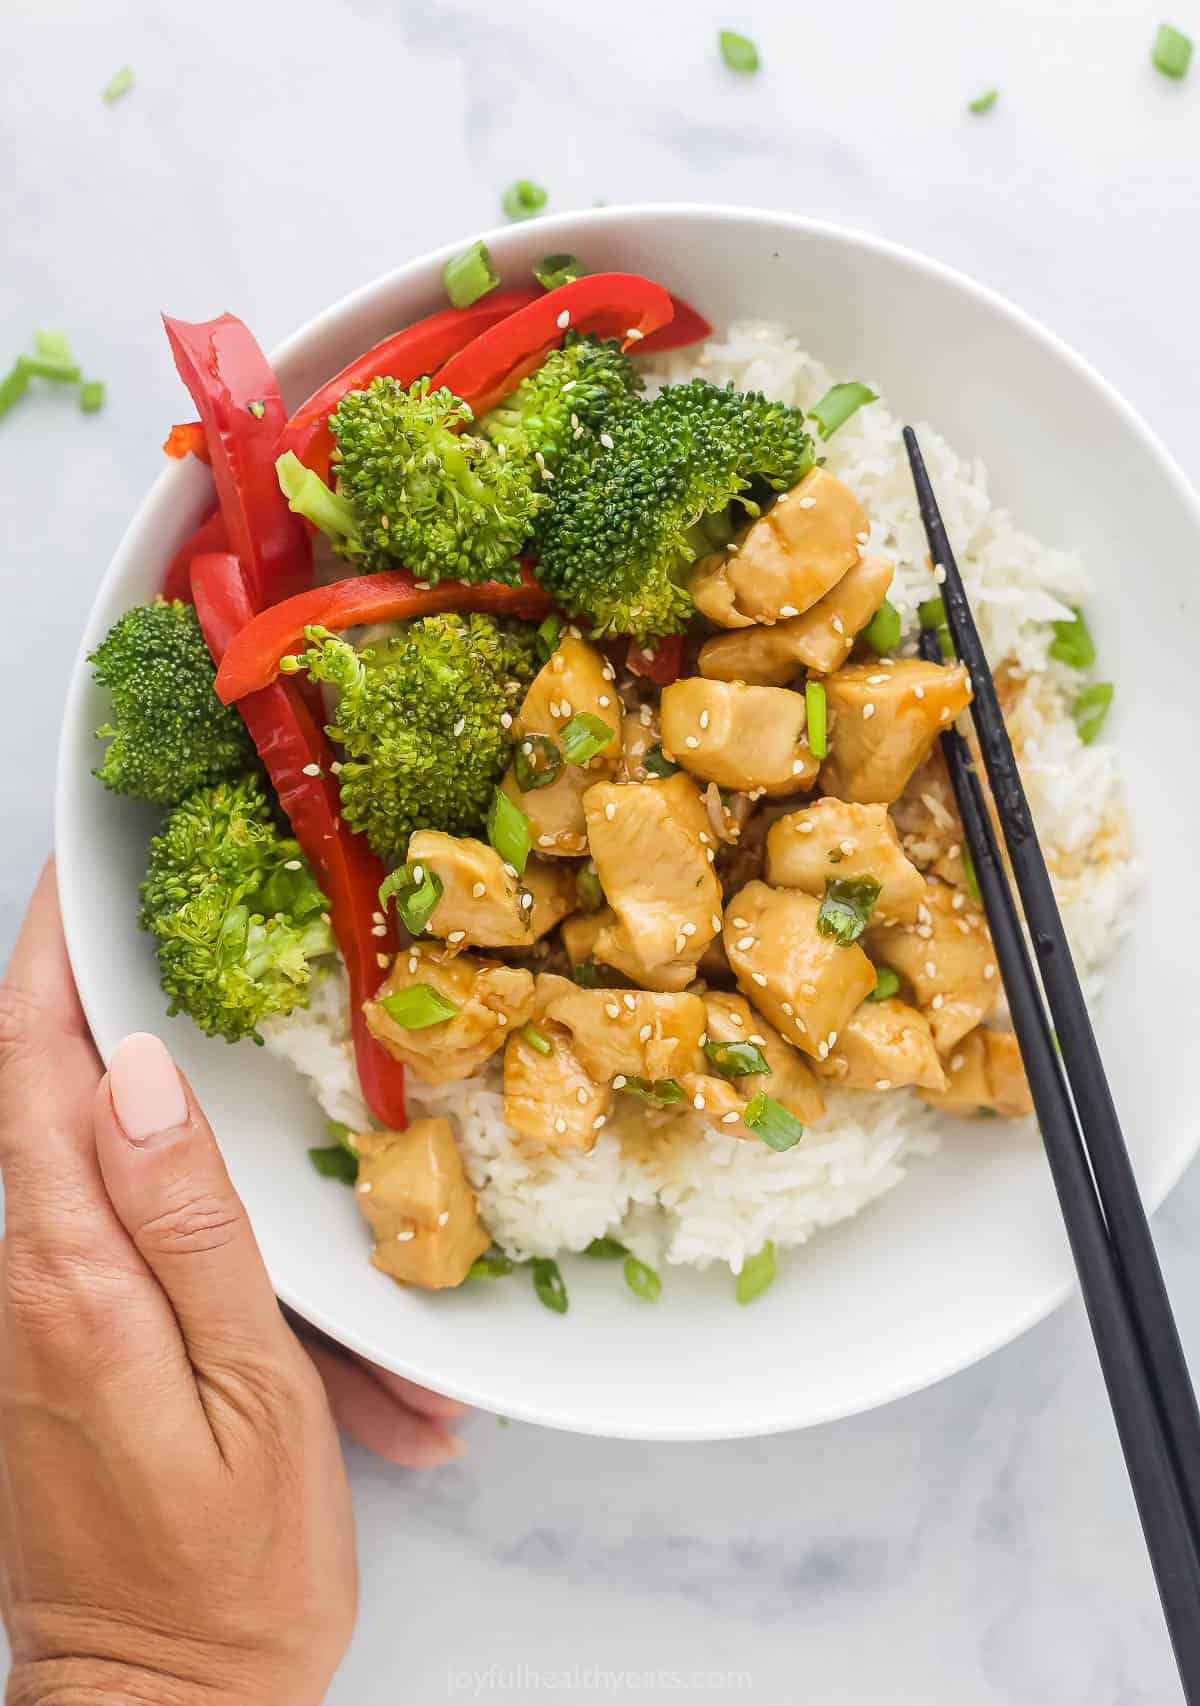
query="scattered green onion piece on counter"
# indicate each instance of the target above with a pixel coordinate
(335, 1163)
(882, 632)
(738, 52)
(1172, 51)
(62, 370)
(53, 344)
(771, 1121)
(815, 713)
(416, 897)
(757, 1273)
(522, 199)
(13, 387)
(737, 1060)
(536, 762)
(838, 404)
(932, 614)
(258, 409)
(342, 1136)
(418, 1006)
(587, 975)
(886, 984)
(656, 764)
(968, 865)
(548, 1283)
(1072, 643)
(588, 889)
(985, 102)
(1091, 708)
(536, 1038)
(663, 1091)
(508, 831)
(120, 83)
(553, 270)
(642, 1280)
(469, 275)
(546, 638)
(493, 1264)
(91, 396)
(846, 908)
(584, 736)
(605, 1250)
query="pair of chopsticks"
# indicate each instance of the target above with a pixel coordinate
(1141, 1358)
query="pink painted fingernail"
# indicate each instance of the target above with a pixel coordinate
(146, 1091)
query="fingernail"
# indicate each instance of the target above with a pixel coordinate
(147, 1094)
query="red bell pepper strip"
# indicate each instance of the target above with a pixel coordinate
(685, 327)
(406, 356)
(661, 662)
(237, 394)
(610, 304)
(209, 536)
(187, 439)
(290, 743)
(252, 657)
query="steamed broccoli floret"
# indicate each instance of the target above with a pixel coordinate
(413, 493)
(236, 913)
(684, 471)
(424, 721)
(170, 733)
(583, 387)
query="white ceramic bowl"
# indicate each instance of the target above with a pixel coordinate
(968, 1251)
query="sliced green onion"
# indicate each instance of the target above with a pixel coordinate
(737, 1060)
(342, 1136)
(418, 1006)
(605, 1250)
(469, 275)
(985, 102)
(258, 409)
(1072, 643)
(62, 370)
(932, 614)
(738, 52)
(494, 1264)
(882, 632)
(838, 404)
(120, 83)
(589, 891)
(757, 1273)
(508, 830)
(548, 1283)
(546, 638)
(662, 1091)
(536, 762)
(1172, 51)
(522, 199)
(416, 897)
(846, 907)
(657, 764)
(53, 344)
(641, 1280)
(816, 716)
(536, 1038)
(886, 984)
(771, 1121)
(13, 387)
(1091, 708)
(584, 736)
(553, 270)
(968, 865)
(587, 975)
(91, 396)
(335, 1163)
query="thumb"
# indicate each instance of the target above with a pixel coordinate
(168, 1184)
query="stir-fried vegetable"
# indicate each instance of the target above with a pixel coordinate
(469, 275)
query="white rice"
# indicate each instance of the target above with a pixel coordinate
(683, 1192)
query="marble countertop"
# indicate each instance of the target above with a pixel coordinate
(976, 1544)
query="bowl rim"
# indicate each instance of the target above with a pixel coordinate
(544, 1413)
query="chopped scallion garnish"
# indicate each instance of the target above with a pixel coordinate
(1072, 643)
(642, 1280)
(985, 102)
(846, 907)
(584, 736)
(536, 1038)
(418, 1006)
(548, 1283)
(932, 614)
(605, 1250)
(968, 865)
(662, 1091)
(738, 52)
(587, 975)
(416, 896)
(886, 984)
(508, 830)
(492, 1265)
(536, 762)
(91, 396)
(120, 83)
(737, 1060)
(53, 344)
(13, 387)
(335, 1163)
(771, 1121)
(1091, 708)
(553, 270)
(816, 718)
(469, 275)
(656, 763)
(589, 891)
(882, 632)
(757, 1273)
(838, 404)
(342, 1136)
(63, 370)
(1172, 51)
(546, 638)
(522, 199)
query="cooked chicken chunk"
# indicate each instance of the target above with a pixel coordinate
(581, 931)
(807, 984)
(788, 559)
(631, 1033)
(947, 957)
(985, 1071)
(480, 904)
(575, 679)
(820, 640)
(731, 1019)
(883, 720)
(415, 1197)
(555, 896)
(650, 842)
(639, 734)
(490, 999)
(884, 1046)
(747, 738)
(548, 1094)
(926, 815)
(831, 838)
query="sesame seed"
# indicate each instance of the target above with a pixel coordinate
(703, 1038)
(557, 663)
(868, 712)
(526, 900)
(883, 1083)
(606, 440)
(379, 929)
(560, 1125)
(788, 610)
(698, 1100)
(755, 1038)
(460, 725)
(630, 1001)
(740, 923)
(862, 537)
(502, 1020)
(838, 626)
(808, 989)
(611, 1008)
(456, 936)
(801, 1027)
(688, 929)
(619, 1081)
(600, 1119)
(797, 767)
(610, 811)
(957, 1063)
(633, 335)
(822, 1050)
(382, 961)
(759, 978)
(365, 1188)
(807, 503)
(444, 1217)
(847, 847)
(958, 902)
(506, 719)
(730, 1118)
(744, 942)
(789, 1009)
(335, 768)
(930, 969)
(581, 1096)
(510, 870)
(805, 828)
(918, 691)
(989, 971)
(876, 680)
(710, 855)
(478, 890)
(564, 708)
(404, 1237)
(680, 944)
(545, 841)
(715, 921)
(691, 741)
(312, 770)
(412, 964)
(603, 700)
(938, 1002)
(564, 320)
(939, 574)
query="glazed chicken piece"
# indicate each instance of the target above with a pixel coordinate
(575, 679)
(749, 739)
(554, 894)
(639, 735)
(631, 1033)
(807, 984)
(832, 838)
(820, 640)
(548, 1094)
(731, 1019)
(650, 842)
(883, 720)
(787, 560)
(490, 999)
(926, 815)
(947, 958)
(414, 1195)
(885, 1045)
(985, 1071)
(483, 904)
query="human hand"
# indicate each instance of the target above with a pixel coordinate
(175, 1523)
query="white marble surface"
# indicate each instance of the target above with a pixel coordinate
(973, 1545)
